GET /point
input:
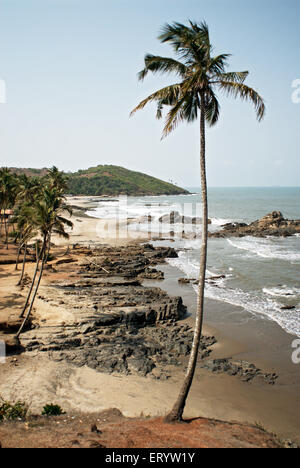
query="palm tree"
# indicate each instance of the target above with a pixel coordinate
(57, 179)
(29, 189)
(7, 197)
(46, 216)
(25, 231)
(200, 75)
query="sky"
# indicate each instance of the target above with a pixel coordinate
(70, 70)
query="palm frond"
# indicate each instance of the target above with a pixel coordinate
(65, 221)
(157, 64)
(169, 94)
(201, 33)
(245, 93)
(175, 115)
(190, 108)
(237, 77)
(190, 43)
(217, 64)
(212, 109)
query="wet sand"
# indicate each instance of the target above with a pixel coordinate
(255, 339)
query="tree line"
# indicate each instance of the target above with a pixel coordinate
(36, 208)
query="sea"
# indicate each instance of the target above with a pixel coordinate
(260, 275)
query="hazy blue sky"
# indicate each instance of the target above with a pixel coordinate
(70, 68)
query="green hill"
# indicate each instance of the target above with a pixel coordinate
(111, 180)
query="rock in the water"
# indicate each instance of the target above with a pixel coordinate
(273, 224)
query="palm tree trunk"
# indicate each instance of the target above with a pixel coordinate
(36, 251)
(36, 290)
(18, 256)
(177, 411)
(6, 232)
(23, 267)
(48, 249)
(32, 284)
(1, 221)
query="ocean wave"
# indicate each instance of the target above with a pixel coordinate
(282, 291)
(265, 248)
(252, 301)
(220, 221)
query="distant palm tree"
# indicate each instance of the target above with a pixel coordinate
(25, 230)
(7, 197)
(57, 179)
(28, 189)
(201, 75)
(47, 217)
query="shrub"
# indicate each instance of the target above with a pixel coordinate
(10, 411)
(52, 410)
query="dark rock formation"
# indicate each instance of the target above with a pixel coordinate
(246, 371)
(176, 218)
(273, 224)
(130, 348)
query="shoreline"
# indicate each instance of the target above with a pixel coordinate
(246, 336)
(242, 336)
(217, 396)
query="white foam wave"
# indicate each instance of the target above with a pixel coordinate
(220, 221)
(251, 301)
(265, 248)
(282, 291)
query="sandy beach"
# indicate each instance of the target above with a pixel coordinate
(37, 380)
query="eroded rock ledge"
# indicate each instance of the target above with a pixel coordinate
(119, 324)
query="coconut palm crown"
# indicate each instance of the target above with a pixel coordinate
(201, 75)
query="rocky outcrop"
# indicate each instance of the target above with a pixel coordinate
(273, 224)
(123, 348)
(119, 324)
(135, 261)
(176, 218)
(246, 371)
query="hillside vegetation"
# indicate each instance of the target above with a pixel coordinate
(111, 180)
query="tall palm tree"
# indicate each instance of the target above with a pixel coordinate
(194, 96)
(47, 217)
